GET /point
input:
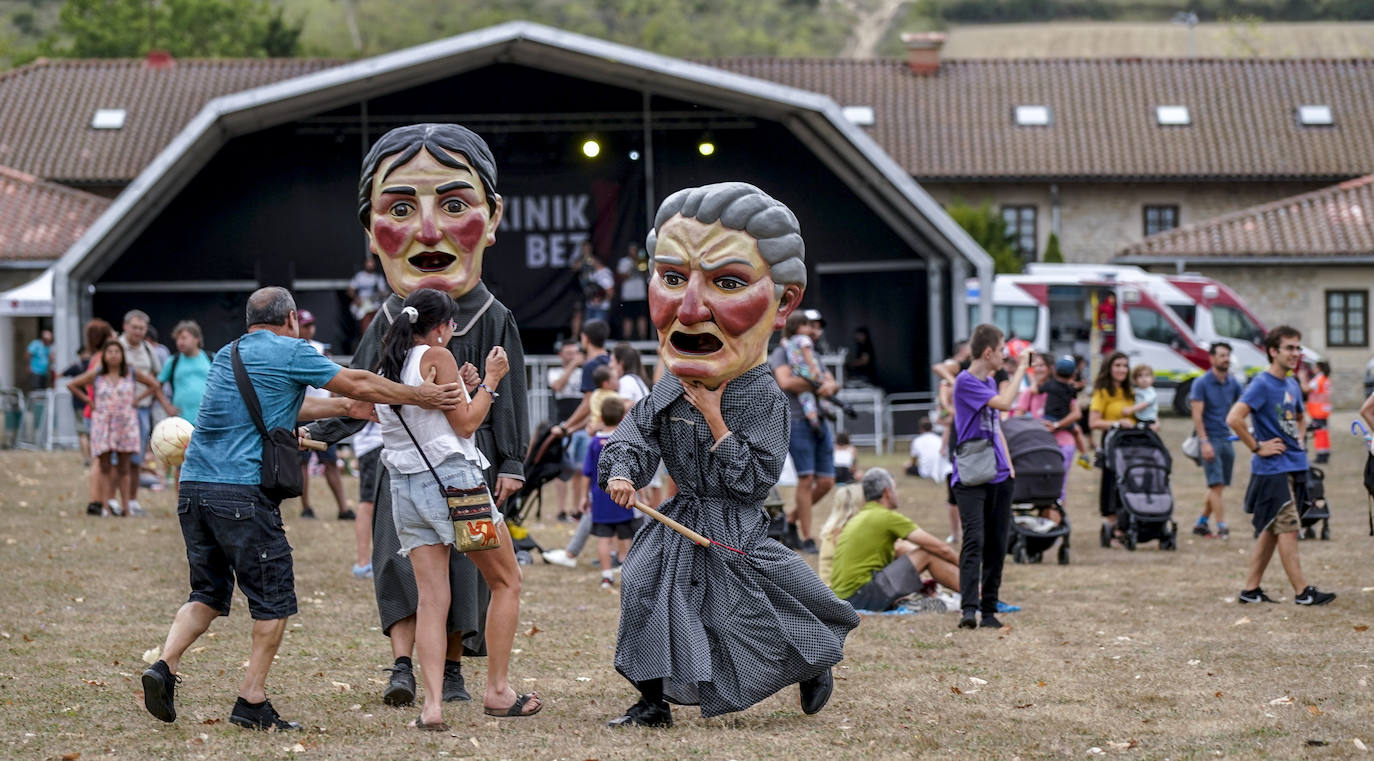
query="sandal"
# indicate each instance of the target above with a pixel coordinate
(437, 726)
(516, 709)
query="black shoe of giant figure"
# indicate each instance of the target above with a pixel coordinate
(815, 692)
(455, 689)
(400, 690)
(263, 717)
(644, 714)
(159, 691)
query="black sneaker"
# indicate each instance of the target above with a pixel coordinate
(1314, 596)
(808, 547)
(815, 693)
(262, 717)
(347, 515)
(454, 688)
(644, 714)
(1200, 529)
(308, 513)
(989, 622)
(968, 621)
(159, 691)
(93, 508)
(1254, 595)
(1223, 532)
(400, 690)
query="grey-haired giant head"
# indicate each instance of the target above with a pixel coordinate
(427, 197)
(728, 268)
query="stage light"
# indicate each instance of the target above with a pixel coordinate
(634, 155)
(706, 147)
(591, 148)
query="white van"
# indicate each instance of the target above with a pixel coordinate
(1051, 306)
(1218, 314)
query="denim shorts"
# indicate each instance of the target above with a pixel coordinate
(813, 452)
(575, 452)
(420, 510)
(235, 531)
(1218, 471)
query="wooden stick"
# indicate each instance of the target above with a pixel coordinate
(672, 524)
(318, 446)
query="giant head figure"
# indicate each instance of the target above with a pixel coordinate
(428, 201)
(727, 269)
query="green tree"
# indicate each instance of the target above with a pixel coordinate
(1052, 252)
(988, 230)
(184, 28)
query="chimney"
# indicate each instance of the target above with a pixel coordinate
(923, 51)
(159, 59)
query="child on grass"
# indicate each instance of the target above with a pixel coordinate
(610, 522)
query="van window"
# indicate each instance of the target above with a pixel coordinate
(1233, 323)
(1187, 313)
(1020, 321)
(1149, 325)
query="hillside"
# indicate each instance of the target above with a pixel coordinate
(1353, 39)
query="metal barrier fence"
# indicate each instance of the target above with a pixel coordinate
(38, 419)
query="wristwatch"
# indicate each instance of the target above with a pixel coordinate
(1255, 448)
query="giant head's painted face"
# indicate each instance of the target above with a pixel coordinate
(717, 292)
(429, 206)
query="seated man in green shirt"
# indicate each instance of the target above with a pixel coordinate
(880, 554)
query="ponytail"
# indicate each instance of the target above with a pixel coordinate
(423, 311)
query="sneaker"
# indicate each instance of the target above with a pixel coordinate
(1200, 529)
(159, 691)
(607, 582)
(968, 621)
(93, 508)
(563, 517)
(808, 547)
(1223, 532)
(363, 571)
(136, 509)
(560, 557)
(115, 508)
(989, 622)
(454, 688)
(1255, 595)
(1314, 596)
(307, 513)
(347, 515)
(1084, 462)
(644, 714)
(261, 717)
(400, 690)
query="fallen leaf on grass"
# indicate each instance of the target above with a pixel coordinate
(212, 721)
(94, 682)
(1283, 701)
(1359, 743)
(1362, 628)
(150, 656)
(976, 680)
(584, 679)
(1217, 695)
(1024, 705)
(200, 649)
(1315, 711)
(1121, 745)
(474, 742)
(343, 686)
(70, 756)
(956, 690)
(1240, 621)
(1194, 662)
(533, 630)
(1040, 684)
(198, 739)
(1095, 751)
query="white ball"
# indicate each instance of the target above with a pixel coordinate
(170, 439)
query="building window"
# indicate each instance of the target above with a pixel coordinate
(1346, 318)
(1020, 222)
(1160, 218)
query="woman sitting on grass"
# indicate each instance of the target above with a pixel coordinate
(114, 420)
(415, 348)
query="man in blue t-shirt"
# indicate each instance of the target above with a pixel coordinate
(1211, 397)
(40, 361)
(232, 528)
(1278, 471)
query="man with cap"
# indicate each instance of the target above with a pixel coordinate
(812, 449)
(329, 458)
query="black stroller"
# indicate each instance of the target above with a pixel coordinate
(1314, 508)
(543, 463)
(1039, 479)
(1144, 501)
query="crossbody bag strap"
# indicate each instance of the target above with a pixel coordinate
(420, 449)
(250, 397)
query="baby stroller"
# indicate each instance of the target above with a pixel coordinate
(1314, 508)
(543, 463)
(1144, 502)
(1039, 479)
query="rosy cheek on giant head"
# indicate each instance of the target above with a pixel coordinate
(389, 238)
(467, 231)
(663, 304)
(738, 311)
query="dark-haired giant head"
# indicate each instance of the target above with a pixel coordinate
(727, 271)
(428, 200)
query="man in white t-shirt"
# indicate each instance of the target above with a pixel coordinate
(366, 292)
(634, 294)
(140, 355)
(329, 458)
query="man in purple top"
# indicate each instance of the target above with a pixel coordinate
(984, 507)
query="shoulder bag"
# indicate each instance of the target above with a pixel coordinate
(281, 466)
(469, 509)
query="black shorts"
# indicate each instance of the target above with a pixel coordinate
(622, 530)
(369, 469)
(895, 581)
(633, 309)
(235, 531)
(843, 475)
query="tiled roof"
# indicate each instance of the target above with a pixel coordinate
(42, 219)
(1334, 222)
(957, 123)
(48, 106)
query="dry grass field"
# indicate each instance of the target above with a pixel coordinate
(1086, 39)
(1139, 655)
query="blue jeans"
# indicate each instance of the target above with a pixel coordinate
(812, 450)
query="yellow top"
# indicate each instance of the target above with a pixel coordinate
(1111, 406)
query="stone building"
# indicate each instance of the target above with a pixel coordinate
(1302, 261)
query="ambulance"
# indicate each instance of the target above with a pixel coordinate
(1218, 314)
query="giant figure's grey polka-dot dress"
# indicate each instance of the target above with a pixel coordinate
(722, 630)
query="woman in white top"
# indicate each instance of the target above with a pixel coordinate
(628, 367)
(415, 348)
